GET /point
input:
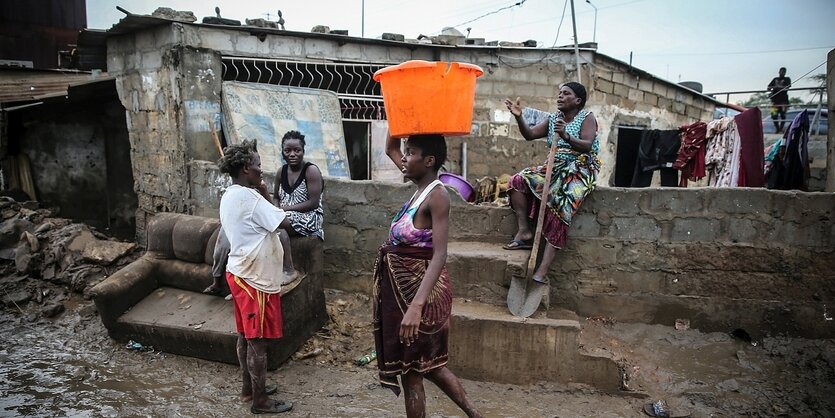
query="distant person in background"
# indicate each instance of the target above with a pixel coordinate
(779, 99)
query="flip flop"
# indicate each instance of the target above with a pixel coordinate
(212, 290)
(518, 244)
(276, 408)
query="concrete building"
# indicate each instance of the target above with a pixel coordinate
(164, 68)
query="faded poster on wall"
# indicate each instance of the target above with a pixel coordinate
(382, 168)
(265, 112)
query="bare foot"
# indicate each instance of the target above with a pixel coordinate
(291, 276)
(523, 236)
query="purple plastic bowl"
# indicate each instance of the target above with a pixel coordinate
(465, 189)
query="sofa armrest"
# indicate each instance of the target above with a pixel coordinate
(125, 288)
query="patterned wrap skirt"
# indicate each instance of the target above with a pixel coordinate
(398, 274)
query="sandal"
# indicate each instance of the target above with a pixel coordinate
(518, 244)
(276, 408)
(540, 280)
(212, 290)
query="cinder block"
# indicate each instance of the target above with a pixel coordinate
(216, 39)
(636, 95)
(245, 43)
(659, 88)
(635, 229)
(693, 112)
(695, 230)
(743, 230)
(740, 201)
(619, 201)
(631, 80)
(151, 60)
(604, 86)
(145, 40)
(115, 63)
(621, 90)
(584, 225)
(670, 201)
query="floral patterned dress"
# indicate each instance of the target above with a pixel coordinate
(573, 177)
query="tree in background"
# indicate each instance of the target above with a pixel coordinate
(820, 80)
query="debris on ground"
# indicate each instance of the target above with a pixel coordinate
(44, 258)
(339, 342)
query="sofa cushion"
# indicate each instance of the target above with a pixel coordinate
(159, 235)
(190, 237)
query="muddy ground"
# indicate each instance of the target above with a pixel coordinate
(57, 360)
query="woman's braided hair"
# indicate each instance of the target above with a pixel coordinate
(236, 157)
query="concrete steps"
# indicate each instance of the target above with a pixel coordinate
(488, 343)
(491, 344)
(482, 271)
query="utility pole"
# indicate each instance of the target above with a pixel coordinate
(576, 46)
(363, 19)
(594, 34)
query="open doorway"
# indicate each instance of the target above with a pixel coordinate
(629, 138)
(356, 143)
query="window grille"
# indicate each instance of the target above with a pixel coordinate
(359, 95)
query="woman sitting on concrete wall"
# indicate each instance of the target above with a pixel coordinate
(298, 188)
(573, 177)
(298, 191)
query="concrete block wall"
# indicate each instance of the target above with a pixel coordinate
(723, 258)
(148, 80)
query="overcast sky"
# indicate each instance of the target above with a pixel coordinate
(725, 45)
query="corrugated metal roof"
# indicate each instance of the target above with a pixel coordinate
(21, 85)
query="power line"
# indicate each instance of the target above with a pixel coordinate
(560, 25)
(733, 53)
(519, 3)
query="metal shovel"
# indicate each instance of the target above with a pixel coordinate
(525, 295)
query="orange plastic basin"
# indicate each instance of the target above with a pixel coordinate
(423, 97)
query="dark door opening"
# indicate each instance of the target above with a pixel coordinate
(629, 138)
(356, 142)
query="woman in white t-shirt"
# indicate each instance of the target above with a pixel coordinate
(255, 269)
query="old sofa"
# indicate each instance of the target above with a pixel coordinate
(157, 299)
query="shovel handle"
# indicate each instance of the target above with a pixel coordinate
(543, 206)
